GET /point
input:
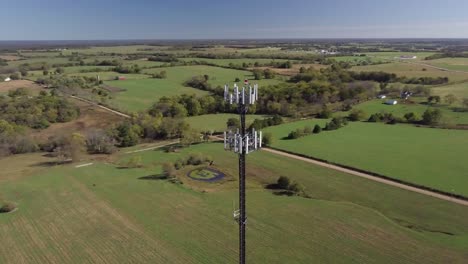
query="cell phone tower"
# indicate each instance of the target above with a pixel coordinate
(242, 142)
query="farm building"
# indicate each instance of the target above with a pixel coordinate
(391, 102)
(408, 57)
(7, 79)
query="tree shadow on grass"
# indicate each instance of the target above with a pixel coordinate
(278, 190)
(154, 177)
(50, 163)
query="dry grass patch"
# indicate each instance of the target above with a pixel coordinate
(13, 85)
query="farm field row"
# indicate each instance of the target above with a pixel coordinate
(424, 156)
(69, 214)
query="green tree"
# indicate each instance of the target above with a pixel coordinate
(257, 74)
(233, 123)
(267, 139)
(357, 115)
(60, 70)
(269, 74)
(410, 117)
(432, 117)
(317, 129)
(283, 182)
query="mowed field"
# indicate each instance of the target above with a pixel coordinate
(217, 122)
(449, 116)
(426, 156)
(140, 94)
(103, 214)
(455, 64)
(413, 70)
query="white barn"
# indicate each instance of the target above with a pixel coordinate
(391, 102)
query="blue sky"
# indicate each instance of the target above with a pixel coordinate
(177, 19)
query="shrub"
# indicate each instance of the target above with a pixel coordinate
(7, 207)
(267, 139)
(169, 171)
(357, 115)
(283, 182)
(317, 129)
(431, 117)
(135, 162)
(296, 188)
(336, 123)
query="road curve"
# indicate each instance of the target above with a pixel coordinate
(370, 177)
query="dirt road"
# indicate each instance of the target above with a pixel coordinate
(100, 106)
(370, 177)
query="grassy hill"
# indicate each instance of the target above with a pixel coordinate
(426, 156)
(101, 213)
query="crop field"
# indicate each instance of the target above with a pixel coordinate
(413, 70)
(92, 214)
(400, 109)
(426, 156)
(140, 94)
(217, 122)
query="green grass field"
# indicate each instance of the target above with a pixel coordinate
(101, 213)
(400, 109)
(412, 70)
(425, 156)
(140, 94)
(226, 62)
(460, 90)
(218, 76)
(217, 122)
(456, 64)
(394, 55)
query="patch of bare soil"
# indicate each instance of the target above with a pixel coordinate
(91, 117)
(12, 85)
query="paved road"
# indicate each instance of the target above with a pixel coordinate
(370, 177)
